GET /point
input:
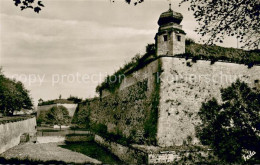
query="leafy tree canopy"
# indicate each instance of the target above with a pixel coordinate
(232, 128)
(75, 99)
(13, 96)
(29, 4)
(219, 18)
(58, 115)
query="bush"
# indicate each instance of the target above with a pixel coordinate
(189, 41)
(232, 127)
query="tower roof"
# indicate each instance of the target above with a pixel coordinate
(170, 16)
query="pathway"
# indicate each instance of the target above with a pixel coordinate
(47, 152)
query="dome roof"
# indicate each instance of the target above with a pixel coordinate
(170, 17)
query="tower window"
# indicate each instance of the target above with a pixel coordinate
(165, 38)
(178, 38)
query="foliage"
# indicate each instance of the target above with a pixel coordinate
(135, 2)
(99, 128)
(217, 53)
(31, 161)
(29, 4)
(49, 102)
(150, 125)
(93, 150)
(112, 82)
(193, 50)
(58, 115)
(42, 118)
(13, 96)
(118, 137)
(189, 41)
(75, 99)
(56, 101)
(81, 116)
(232, 127)
(220, 18)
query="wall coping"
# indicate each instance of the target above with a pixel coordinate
(11, 119)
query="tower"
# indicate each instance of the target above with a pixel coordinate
(170, 39)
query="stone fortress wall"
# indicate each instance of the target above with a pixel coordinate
(126, 111)
(165, 109)
(183, 89)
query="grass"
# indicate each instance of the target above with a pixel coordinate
(28, 161)
(93, 150)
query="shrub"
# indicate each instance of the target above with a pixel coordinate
(232, 127)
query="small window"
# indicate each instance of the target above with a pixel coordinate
(178, 38)
(165, 38)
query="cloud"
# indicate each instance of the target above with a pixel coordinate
(51, 35)
(54, 46)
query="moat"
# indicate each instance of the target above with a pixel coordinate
(50, 140)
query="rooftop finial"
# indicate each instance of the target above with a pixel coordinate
(170, 5)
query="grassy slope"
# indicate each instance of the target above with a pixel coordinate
(234, 55)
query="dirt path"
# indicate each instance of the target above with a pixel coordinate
(47, 152)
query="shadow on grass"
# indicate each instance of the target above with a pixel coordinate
(30, 162)
(93, 150)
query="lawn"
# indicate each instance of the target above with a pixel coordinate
(93, 150)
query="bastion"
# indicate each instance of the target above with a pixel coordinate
(156, 100)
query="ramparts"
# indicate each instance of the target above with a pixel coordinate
(163, 111)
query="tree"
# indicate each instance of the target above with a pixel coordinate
(75, 99)
(220, 18)
(13, 96)
(29, 4)
(231, 128)
(58, 115)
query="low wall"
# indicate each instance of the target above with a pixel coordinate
(124, 153)
(143, 154)
(10, 132)
(79, 138)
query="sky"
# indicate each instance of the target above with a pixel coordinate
(72, 45)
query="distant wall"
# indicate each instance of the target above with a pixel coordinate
(185, 85)
(10, 132)
(127, 111)
(71, 108)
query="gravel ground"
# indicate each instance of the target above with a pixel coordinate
(47, 152)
